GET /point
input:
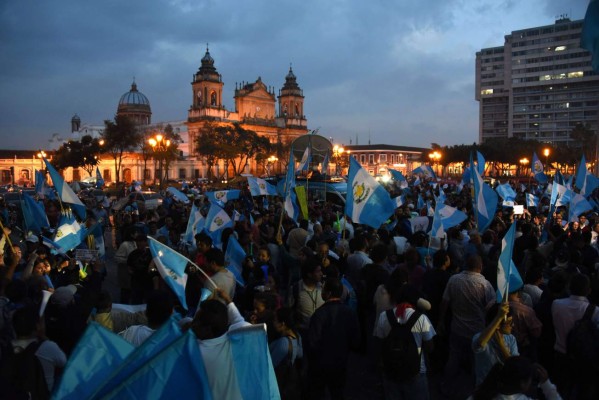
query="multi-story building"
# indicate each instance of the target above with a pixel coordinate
(377, 159)
(538, 86)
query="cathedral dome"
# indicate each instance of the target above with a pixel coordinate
(134, 97)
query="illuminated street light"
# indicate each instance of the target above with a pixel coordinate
(41, 155)
(270, 162)
(160, 146)
(524, 162)
(435, 156)
(337, 154)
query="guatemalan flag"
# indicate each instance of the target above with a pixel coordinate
(450, 216)
(537, 169)
(178, 195)
(234, 258)
(291, 207)
(171, 266)
(506, 192)
(560, 195)
(222, 196)
(195, 223)
(485, 201)
(260, 187)
(99, 179)
(304, 163)
(425, 170)
(41, 186)
(531, 200)
(65, 193)
(216, 221)
(399, 178)
(508, 277)
(578, 205)
(367, 202)
(69, 233)
(480, 163)
(34, 215)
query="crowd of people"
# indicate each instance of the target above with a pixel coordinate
(423, 314)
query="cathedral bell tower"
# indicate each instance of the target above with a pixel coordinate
(207, 86)
(291, 99)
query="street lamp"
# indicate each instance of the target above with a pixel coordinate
(435, 156)
(160, 145)
(546, 154)
(271, 161)
(41, 155)
(337, 153)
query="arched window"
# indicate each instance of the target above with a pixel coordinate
(213, 98)
(297, 113)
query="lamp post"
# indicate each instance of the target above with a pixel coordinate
(160, 146)
(270, 162)
(337, 153)
(41, 155)
(546, 154)
(435, 156)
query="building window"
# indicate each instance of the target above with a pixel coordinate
(148, 172)
(181, 173)
(362, 159)
(371, 159)
(196, 173)
(76, 174)
(106, 175)
(382, 158)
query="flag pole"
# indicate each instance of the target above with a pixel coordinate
(7, 237)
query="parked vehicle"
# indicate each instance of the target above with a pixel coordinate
(145, 201)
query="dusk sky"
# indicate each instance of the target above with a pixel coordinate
(400, 72)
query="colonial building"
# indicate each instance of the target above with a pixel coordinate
(377, 159)
(280, 118)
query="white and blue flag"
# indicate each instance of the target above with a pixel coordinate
(560, 195)
(65, 193)
(195, 223)
(221, 197)
(485, 201)
(508, 277)
(537, 169)
(171, 266)
(450, 216)
(367, 202)
(260, 187)
(69, 233)
(291, 207)
(506, 192)
(178, 195)
(99, 179)
(531, 200)
(426, 171)
(234, 258)
(216, 221)
(578, 205)
(399, 178)
(304, 163)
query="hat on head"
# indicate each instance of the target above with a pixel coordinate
(63, 295)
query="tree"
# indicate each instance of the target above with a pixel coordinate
(120, 136)
(586, 139)
(207, 145)
(79, 154)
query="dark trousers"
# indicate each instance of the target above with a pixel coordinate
(321, 379)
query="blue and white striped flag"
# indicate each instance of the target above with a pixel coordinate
(65, 193)
(304, 163)
(578, 205)
(398, 177)
(171, 266)
(531, 200)
(537, 169)
(367, 202)
(69, 233)
(260, 187)
(450, 216)
(485, 201)
(291, 207)
(195, 223)
(222, 196)
(178, 195)
(506, 192)
(426, 171)
(560, 195)
(34, 215)
(234, 258)
(508, 277)
(216, 221)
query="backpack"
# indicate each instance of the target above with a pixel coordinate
(401, 358)
(22, 375)
(582, 344)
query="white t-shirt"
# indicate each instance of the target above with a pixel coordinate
(136, 334)
(422, 330)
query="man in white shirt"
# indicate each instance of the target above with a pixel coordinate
(158, 311)
(222, 277)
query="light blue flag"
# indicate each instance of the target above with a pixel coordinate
(417, 181)
(195, 223)
(426, 171)
(99, 179)
(234, 257)
(178, 195)
(591, 183)
(537, 169)
(176, 372)
(69, 233)
(152, 346)
(367, 202)
(65, 193)
(216, 221)
(398, 176)
(578, 205)
(97, 353)
(531, 200)
(171, 266)
(41, 186)
(325, 164)
(253, 365)
(559, 178)
(290, 176)
(560, 195)
(260, 187)
(442, 198)
(582, 174)
(485, 202)
(437, 230)
(221, 197)
(508, 277)
(400, 200)
(34, 215)
(480, 163)
(506, 192)
(304, 163)
(291, 207)
(589, 38)
(466, 176)
(420, 202)
(450, 216)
